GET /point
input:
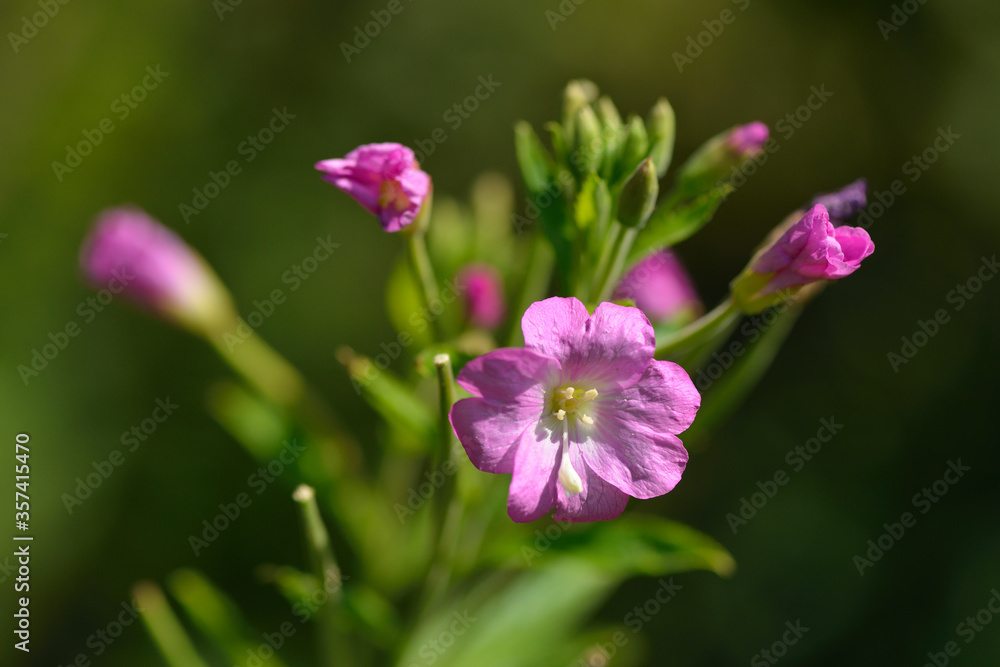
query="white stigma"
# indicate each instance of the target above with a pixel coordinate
(568, 476)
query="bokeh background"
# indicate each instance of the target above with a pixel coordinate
(891, 94)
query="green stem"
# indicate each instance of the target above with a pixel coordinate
(164, 627)
(538, 275)
(709, 326)
(446, 393)
(423, 270)
(443, 563)
(623, 246)
(324, 566)
(607, 254)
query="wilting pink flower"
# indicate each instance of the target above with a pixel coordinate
(845, 203)
(748, 140)
(660, 287)
(582, 416)
(482, 290)
(155, 268)
(811, 249)
(384, 178)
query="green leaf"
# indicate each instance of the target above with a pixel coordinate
(669, 224)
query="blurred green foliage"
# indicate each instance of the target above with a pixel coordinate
(228, 74)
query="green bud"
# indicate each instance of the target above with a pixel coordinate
(662, 127)
(612, 132)
(588, 149)
(634, 149)
(638, 196)
(579, 93)
(611, 120)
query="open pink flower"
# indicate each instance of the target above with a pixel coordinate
(660, 287)
(155, 269)
(384, 178)
(582, 416)
(809, 250)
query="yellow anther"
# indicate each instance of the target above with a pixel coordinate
(560, 414)
(587, 419)
(590, 395)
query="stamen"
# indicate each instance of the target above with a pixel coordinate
(587, 419)
(590, 395)
(560, 414)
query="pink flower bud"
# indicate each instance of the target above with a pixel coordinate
(482, 289)
(660, 287)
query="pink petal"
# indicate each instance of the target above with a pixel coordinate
(489, 432)
(855, 243)
(664, 400)
(610, 349)
(599, 501)
(635, 459)
(510, 375)
(536, 467)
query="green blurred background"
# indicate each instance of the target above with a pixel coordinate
(891, 96)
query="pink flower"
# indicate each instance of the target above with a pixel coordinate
(154, 268)
(660, 287)
(384, 178)
(482, 290)
(811, 249)
(582, 416)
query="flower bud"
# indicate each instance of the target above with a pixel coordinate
(385, 179)
(638, 196)
(635, 148)
(809, 250)
(662, 127)
(158, 271)
(482, 290)
(660, 287)
(719, 157)
(588, 147)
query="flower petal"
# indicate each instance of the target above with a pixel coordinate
(855, 243)
(599, 501)
(635, 459)
(611, 348)
(489, 432)
(536, 466)
(664, 400)
(510, 375)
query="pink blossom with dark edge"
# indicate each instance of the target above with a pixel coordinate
(812, 249)
(157, 270)
(384, 178)
(659, 286)
(582, 417)
(482, 290)
(845, 203)
(748, 140)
